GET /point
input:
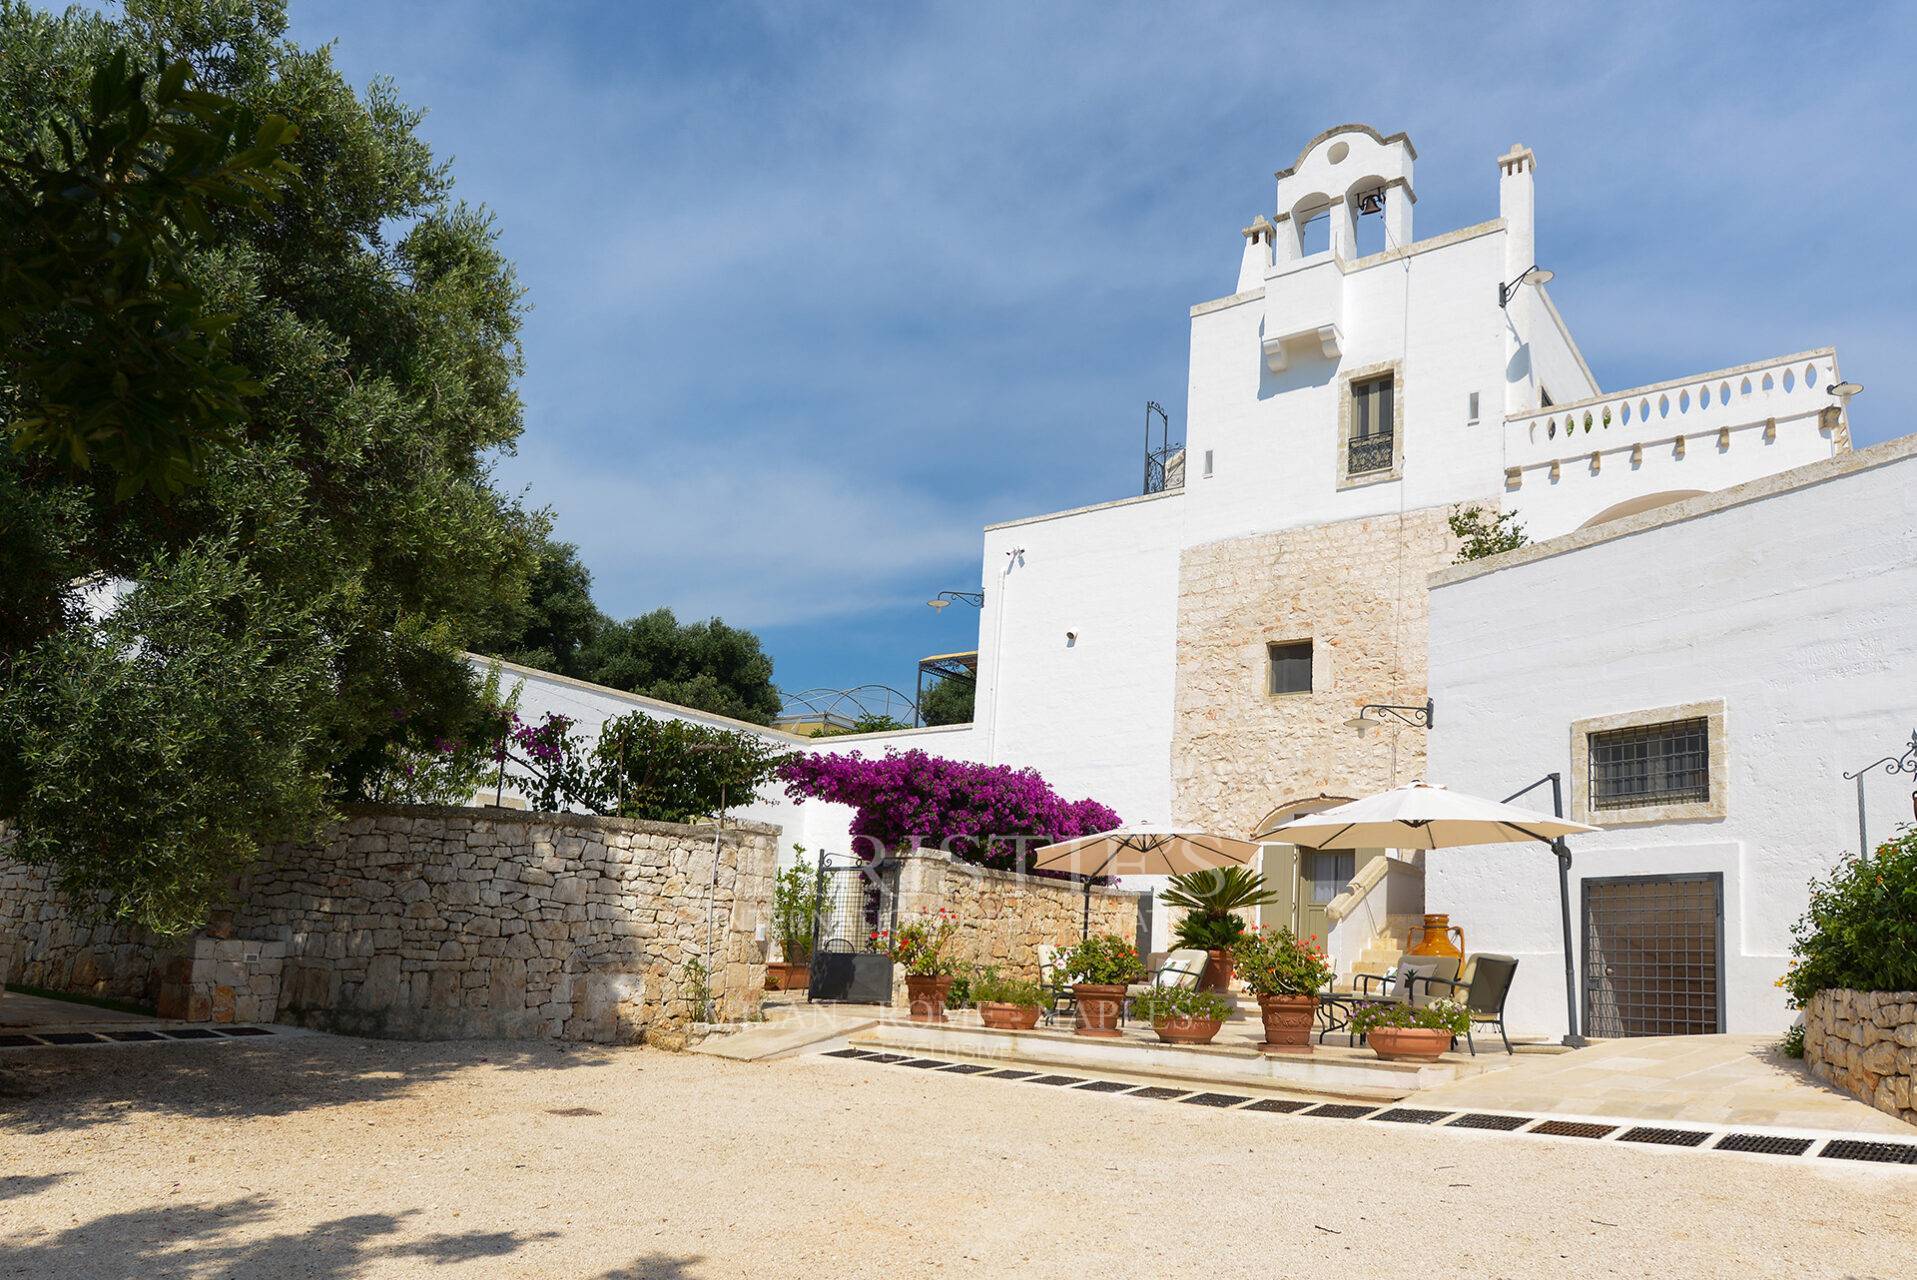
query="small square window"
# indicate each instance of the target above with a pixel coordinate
(1290, 667)
(1658, 764)
(1208, 462)
(1473, 415)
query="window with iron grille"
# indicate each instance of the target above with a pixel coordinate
(1290, 667)
(1373, 421)
(1651, 764)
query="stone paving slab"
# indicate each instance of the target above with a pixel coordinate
(1719, 1080)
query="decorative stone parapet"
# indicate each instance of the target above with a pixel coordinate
(1865, 1043)
(1003, 916)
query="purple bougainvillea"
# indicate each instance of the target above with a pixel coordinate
(990, 814)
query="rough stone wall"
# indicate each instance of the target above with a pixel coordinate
(223, 980)
(44, 944)
(1865, 1043)
(425, 923)
(1356, 590)
(1002, 916)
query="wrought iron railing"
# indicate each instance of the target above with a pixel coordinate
(1365, 454)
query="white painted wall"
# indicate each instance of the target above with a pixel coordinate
(1799, 610)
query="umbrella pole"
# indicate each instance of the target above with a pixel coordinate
(1563, 852)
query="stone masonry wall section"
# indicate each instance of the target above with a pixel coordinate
(425, 923)
(1865, 1043)
(1003, 917)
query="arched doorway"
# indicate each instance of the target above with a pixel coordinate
(1306, 880)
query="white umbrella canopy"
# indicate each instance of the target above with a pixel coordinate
(1144, 851)
(1419, 815)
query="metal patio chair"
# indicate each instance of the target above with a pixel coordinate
(1486, 984)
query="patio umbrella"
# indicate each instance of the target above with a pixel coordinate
(1141, 851)
(1422, 815)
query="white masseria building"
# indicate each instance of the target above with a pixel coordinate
(1713, 622)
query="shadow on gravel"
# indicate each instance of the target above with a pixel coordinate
(188, 1242)
(51, 1090)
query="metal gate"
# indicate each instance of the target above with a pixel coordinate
(1654, 955)
(856, 900)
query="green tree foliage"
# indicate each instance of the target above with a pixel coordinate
(706, 665)
(641, 767)
(551, 628)
(1860, 932)
(1484, 533)
(110, 347)
(297, 617)
(949, 701)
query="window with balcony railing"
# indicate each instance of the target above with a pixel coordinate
(1372, 425)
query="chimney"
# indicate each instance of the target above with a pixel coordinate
(1257, 259)
(1517, 205)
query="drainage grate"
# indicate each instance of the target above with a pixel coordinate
(245, 1031)
(1665, 1137)
(1877, 1152)
(190, 1033)
(1157, 1093)
(1282, 1105)
(1572, 1129)
(923, 1063)
(1339, 1111)
(1216, 1099)
(1105, 1086)
(1411, 1115)
(70, 1037)
(1010, 1075)
(887, 1057)
(1764, 1144)
(1056, 1080)
(11, 1041)
(132, 1037)
(1484, 1120)
(966, 1068)
(849, 1053)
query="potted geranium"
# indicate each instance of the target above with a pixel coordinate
(1007, 1004)
(923, 948)
(1286, 974)
(1182, 1016)
(796, 895)
(1406, 1033)
(1099, 968)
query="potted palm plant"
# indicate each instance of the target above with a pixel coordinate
(1099, 968)
(1182, 1016)
(1007, 1004)
(1212, 900)
(1286, 974)
(923, 948)
(1403, 1033)
(796, 895)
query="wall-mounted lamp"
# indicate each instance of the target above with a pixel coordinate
(1534, 273)
(1416, 717)
(974, 598)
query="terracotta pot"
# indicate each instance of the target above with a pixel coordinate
(1409, 1044)
(927, 997)
(1099, 1005)
(1218, 971)
(1187, 1030)
(1008, 1017)
(788, 977)
(1287, 1023)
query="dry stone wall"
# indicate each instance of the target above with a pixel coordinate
(1003, 917)
(1865, 1043)
(426, 922)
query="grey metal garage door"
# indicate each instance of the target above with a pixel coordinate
(1654, 955)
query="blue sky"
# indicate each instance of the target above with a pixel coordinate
(818, 290)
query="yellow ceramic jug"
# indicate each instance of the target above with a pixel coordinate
(1432, 938)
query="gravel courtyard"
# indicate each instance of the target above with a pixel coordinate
(315, 1156)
